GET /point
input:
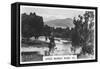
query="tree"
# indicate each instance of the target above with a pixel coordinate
(32, 25)
(76, 31)
(83, 32)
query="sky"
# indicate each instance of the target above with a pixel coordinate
(52, 13)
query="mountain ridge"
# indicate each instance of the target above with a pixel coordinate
(67, 22)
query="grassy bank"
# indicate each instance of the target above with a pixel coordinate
(32, 56)
(34, 43)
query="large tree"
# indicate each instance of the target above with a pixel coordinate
(32, 25)
(83, 32)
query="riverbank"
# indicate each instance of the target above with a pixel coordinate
(34, 50)
(39, 46)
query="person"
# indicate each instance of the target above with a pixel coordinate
(46, 37)
(52, 42)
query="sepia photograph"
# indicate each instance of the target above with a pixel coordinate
(51, 34)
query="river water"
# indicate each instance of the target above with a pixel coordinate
(63, 47)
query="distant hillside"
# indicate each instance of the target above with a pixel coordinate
(68, 22)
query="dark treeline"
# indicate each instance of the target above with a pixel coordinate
(32, 25)
(59, 32)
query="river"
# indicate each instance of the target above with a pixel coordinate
(63, 47)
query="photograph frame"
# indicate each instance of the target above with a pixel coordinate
(15, 33)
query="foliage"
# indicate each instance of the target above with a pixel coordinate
(83, 32)
(32, 25)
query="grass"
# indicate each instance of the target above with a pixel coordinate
(35, 43)
(32, 56)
